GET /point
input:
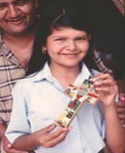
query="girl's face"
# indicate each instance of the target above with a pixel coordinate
(67, 47)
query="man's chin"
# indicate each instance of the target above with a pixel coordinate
(17, 32)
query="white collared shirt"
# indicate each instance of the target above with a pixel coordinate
(38, 102)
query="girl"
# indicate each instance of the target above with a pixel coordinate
(40, 98)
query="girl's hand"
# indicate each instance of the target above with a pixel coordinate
(106, 87)
(49, 136)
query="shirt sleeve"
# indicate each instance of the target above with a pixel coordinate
(19, 124)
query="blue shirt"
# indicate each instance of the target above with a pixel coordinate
(38, 102)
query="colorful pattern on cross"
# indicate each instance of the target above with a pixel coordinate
(79, 95)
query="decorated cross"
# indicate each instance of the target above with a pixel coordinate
(79, 95)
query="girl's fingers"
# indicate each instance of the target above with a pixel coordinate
(56, 137)
(48, 128)
(103, 78)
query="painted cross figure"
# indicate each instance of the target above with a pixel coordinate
(79, 95)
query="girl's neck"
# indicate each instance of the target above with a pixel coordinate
(65, 75)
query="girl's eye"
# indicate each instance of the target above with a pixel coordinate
(59, 39)
(81, 38)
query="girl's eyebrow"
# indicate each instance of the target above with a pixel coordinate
(79, 36)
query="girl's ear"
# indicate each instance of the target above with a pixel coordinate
(44, 48)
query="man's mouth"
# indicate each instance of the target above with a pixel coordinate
(16, 20)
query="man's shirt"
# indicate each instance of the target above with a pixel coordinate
(10, 72)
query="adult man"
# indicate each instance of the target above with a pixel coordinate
(17, 25)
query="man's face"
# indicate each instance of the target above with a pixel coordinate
(17, 16)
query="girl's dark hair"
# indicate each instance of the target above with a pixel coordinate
(55, 17)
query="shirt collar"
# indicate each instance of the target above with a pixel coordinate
(84, 74)
(45, 73)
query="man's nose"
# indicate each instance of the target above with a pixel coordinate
(12, 10)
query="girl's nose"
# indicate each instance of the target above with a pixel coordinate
(71, 45)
